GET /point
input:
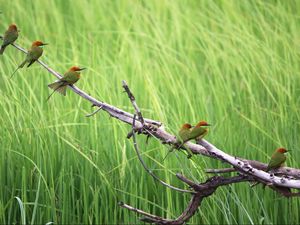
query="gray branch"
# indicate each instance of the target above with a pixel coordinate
(202, 190)
(280, 180)
(153, 127)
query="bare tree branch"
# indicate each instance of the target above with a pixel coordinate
(152, 126)
(281, 180)
(246, 168)
(112, 110)
(132, 99)
(203, 190)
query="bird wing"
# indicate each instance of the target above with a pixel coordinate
(197, 131)
(70, 77)
(184, 135)
(276, 161)
(9, 37)
(58, 86)
(34, 53)
(31, 62)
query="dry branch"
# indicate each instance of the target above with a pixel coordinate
(280, 180)
(112, 110)
(202, 190)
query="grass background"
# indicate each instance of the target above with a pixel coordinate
(232, 63)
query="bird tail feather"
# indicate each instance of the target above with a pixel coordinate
(23, 64)
(58, 86)
(30, 63)
(2, 49)
(20, 66)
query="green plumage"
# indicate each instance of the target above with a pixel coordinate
(184, 135)
(69, 78)
(198, 132)
(9, 37)
(34, 53)
(276, 161)
(187, 133)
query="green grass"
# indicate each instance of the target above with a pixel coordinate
(232, 63)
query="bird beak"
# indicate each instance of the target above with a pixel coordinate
(45, 44)
(82, 69)
(207, 125)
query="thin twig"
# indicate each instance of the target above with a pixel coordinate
(93, 113)
(133, 102)
(147, 169)
(154, 218)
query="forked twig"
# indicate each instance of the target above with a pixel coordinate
(202, 190)
(93, 113)
(150, 172)
(133, 102)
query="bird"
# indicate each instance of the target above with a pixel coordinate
(187, 132)
(199, 131)
(184, 135)
(69, 78)
(184, 132)
(34, 53)
(277, 159)
(9, 37)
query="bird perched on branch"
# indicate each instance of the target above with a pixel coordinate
(9, 37)
(69, 78)
(187, 132)
(34, 53)
(197, 132)
(277, 159)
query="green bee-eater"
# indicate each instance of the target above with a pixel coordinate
(182, 137)
(184, 133)
(34, 53)
(197, 132)
(277, 159)
(69, 78)
(187, 133)
(9, 37)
